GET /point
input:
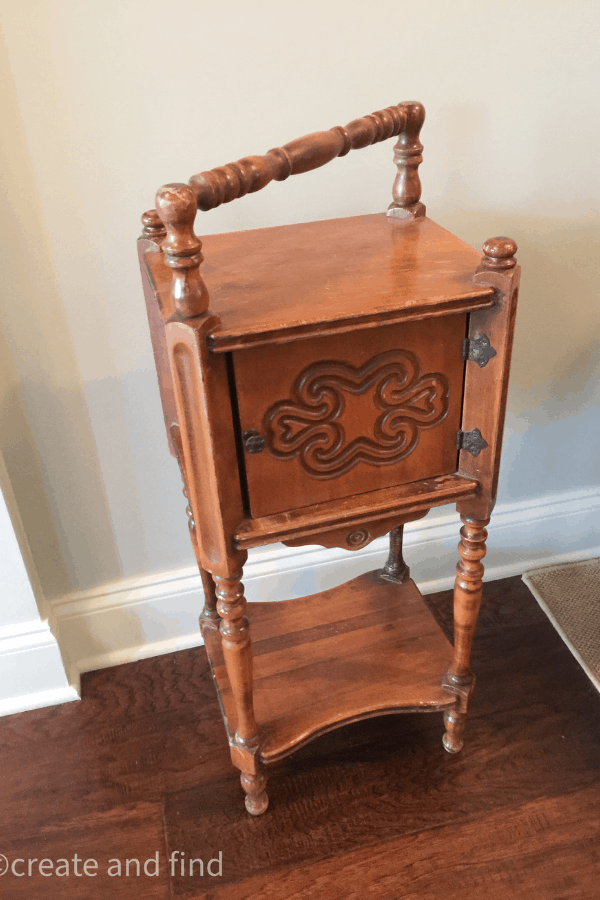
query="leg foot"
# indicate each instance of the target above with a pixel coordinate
(209, 617)
(257, 800)
(455, 722)
(455, 719)
(395, 568)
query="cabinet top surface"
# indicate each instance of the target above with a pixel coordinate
(273, 284)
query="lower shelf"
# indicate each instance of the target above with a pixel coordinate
(363, 649)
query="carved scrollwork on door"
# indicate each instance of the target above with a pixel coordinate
(308, 424)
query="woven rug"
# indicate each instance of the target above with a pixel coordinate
(570, 596)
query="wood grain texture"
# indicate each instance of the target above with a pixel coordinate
(235, 653)
(545, 849)
(182, 249)
(331, 276)
(408, 156)
(379, 810)
(227, 183)
(498, 269)
(355, 538)
(347, 415)
(351, 652)
(296, 419)
(209, 616)
(147, 248)
(208, 445)
(374, 810)
(407, 501)
(468, 588)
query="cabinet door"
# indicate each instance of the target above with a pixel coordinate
(350, 413)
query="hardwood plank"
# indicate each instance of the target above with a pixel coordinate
(533, 734)
(133, 832)
(140, 730)
(403, 783)
(380, 650)
(529, 851)
(375, 809)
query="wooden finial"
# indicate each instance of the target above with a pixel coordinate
(152, 227)
(498, 253)
(408, 156)
(176, 206)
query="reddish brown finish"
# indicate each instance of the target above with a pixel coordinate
(408, 155)
(152, 227)
(410, 501)
(498, 324)
(209, 615)
(320, 400)
(467, 594)
(235, 639)
(237, 655)
(365, 648)
(343, 417)
(376, 810)
(147, 247)
(176, 203)
(208, 443)
(372, 270)
(467, 599)
(252, 173)
(182, 250)
(357, 537)
(334, 276)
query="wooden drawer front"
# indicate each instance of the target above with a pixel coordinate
(350, 413)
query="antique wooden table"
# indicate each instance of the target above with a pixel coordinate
(349, 375)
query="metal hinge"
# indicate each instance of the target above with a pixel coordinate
(471, 441)
(478, 350)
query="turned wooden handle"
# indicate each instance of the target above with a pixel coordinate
(172, 223)
(226, 183)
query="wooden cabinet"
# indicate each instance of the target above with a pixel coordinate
(349, 413)
(327, 383)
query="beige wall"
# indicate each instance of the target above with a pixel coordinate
(106, 101)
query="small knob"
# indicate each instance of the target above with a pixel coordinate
(498, 253)
(253, 441)
(153, 228)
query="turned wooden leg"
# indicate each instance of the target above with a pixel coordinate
(209, 617)
(237, 652)
(257, 799)
(395, 568)
(467, 599)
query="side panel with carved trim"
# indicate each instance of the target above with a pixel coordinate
(207, 440)
(348, 414)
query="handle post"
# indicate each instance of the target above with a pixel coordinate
(176, 206)
(252, 173)
(408, 156)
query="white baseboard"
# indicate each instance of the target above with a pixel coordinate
(31, 669)
(141, 617)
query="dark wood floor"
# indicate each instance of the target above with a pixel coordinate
(377, 810)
